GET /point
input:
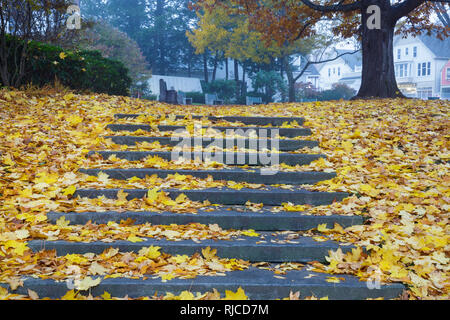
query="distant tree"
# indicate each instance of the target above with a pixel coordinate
(373, 21)
(268, 83)
(26, 20)
(116, 45)
(338, 91)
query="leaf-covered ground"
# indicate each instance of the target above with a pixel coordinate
(391, 154)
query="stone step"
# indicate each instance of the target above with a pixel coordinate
(269, 196)
(228, 158)
(258, 284)
(283, 132)
(257, 121)
(238, 175)
(226, 218)
(283, 144)
(266, 247)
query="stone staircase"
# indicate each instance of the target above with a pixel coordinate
(271, 246)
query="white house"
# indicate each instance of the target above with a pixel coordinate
(418, 64)
(346, 69)
(311, 74)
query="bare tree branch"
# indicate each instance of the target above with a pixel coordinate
(322, 61)
(339, 7)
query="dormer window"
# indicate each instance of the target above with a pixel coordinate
(415, 52)
(406, 51)
(399, 54)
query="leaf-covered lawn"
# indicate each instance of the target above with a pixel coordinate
(391, 154)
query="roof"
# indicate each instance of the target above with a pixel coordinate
(440, 48)
(184, 84)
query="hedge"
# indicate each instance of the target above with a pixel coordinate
(78, 70)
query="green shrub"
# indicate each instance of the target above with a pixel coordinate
(78, 70)
(225, 89)
(197, 97)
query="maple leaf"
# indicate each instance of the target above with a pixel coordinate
(86, 283)
(62, 222)
(22, 234)
(238, 295)
(150, 252)
(96, 268)
(186, 295)
(208, 253)
(69, 190)
(152, 195)
(19, 247)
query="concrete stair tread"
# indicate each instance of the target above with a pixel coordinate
(255, 120)
(283, 144)
(266, 247)
(270, 196)
(229, 158)
(283, 132)
(226, 219)
(258, 284)
(235, 174)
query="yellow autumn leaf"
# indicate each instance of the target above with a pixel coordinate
(150, 252)
(152, 195)
(133, 238)
(186, 295)
(322, 228)
(69, 190)
(250, 233)
(238, 295)
(18, 247)
(333, 280)
(209, 253)
(62, 55)
(347, 145)
(86, 283)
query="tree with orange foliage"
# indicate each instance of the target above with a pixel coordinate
(374, 22)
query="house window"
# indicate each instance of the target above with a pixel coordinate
(424, 69)
(329, 72)
(399, 53)
(428, 68)
(415, 52)
(424, 93)
(334, 70)
(418, 69)
(406, 51)
(339, 71)
(401, 70)
(448, 74)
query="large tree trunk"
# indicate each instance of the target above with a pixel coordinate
(378, 72)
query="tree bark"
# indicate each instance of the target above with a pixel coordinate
(205, 66)
(226, 68)
(236, 77)
(378, 71)
(216, 60)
